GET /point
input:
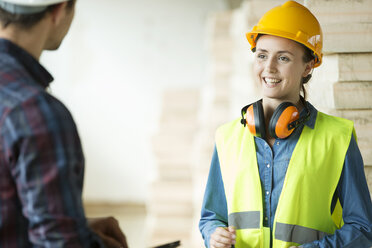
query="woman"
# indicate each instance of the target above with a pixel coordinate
(285, 174)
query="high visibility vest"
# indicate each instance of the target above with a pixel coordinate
(303, 213)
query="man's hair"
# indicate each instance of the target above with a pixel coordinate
(26, 21)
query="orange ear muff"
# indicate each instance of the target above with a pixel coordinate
(285, 114)
(255, 120)
(251, 120)
(285, 119)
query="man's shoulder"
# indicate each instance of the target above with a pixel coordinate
(16, 84)
(21, 94)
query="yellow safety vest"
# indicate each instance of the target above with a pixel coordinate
(304, 208)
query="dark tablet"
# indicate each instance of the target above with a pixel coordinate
(169, 245)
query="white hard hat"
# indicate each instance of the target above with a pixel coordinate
(27, 6)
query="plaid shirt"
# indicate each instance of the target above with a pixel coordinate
(41, 160)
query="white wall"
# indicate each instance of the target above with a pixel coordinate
(111, 70)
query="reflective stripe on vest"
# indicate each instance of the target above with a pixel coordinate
(284, 232)
(245, 220)
(297, 234)
(315, 166)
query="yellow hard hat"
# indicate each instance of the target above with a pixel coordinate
(292, 21)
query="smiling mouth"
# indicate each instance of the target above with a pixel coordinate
(271, 81)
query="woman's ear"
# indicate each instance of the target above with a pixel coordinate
(308, 67)
(58, 12)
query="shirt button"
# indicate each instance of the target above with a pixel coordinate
(266, 218)
(267, 192)
(277, 143)
(268, 165)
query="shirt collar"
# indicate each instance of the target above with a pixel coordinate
(36, 70)
(313, 113)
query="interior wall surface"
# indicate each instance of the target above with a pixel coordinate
(110, 71)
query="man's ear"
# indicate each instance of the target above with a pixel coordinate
(58, 12)
(308, 67)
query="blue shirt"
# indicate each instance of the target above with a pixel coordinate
(41, 160)
(352, 191)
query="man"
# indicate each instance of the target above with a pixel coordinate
(41, 159)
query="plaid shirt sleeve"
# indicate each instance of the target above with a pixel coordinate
(46, 162)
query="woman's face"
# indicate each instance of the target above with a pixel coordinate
(279, 67)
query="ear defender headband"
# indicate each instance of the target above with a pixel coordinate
(285, 119)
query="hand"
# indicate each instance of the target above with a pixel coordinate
(107, 228)
(294, 247)
(223, 237)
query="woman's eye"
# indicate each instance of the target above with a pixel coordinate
(261, 56)
(283, 58)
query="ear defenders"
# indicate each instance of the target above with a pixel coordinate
(283, 122)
